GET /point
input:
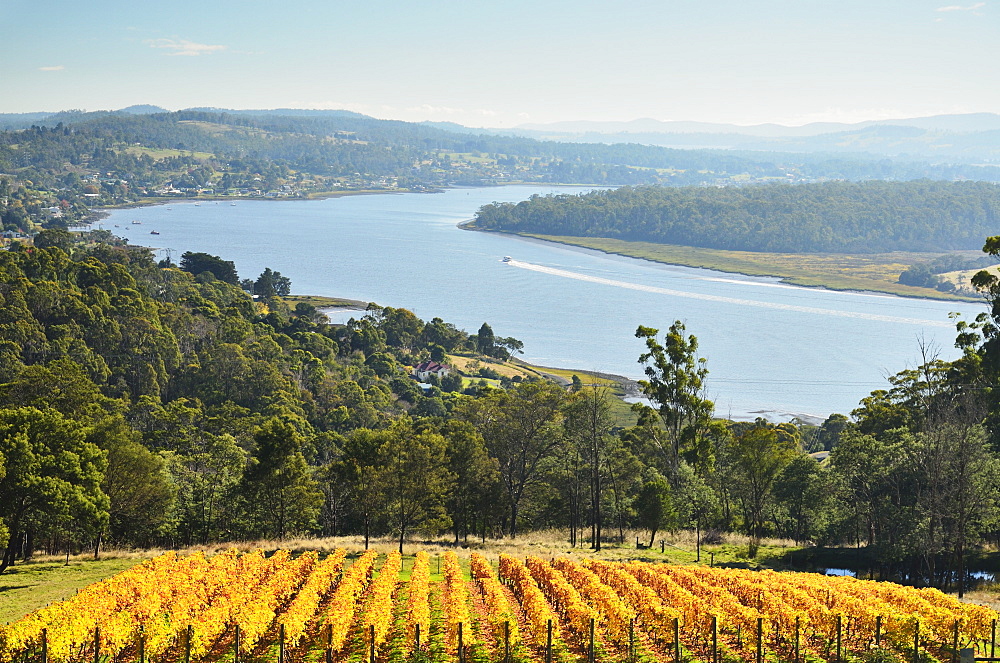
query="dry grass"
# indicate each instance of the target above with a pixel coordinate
(988, 596)
(872, 272)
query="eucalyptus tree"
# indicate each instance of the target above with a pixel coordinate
(522, 430)
(676, 385)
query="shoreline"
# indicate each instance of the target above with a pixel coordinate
(866, 286)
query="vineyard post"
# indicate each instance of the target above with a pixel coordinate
(187, 645)
(590, 650)
(878, 631)
(739, 636)
(677, 640)
(45, 645)
(142, 644)
(916, 641)
(461, 645)
(416, 636)
(281, 643)
(631, 640)
(97, 644)
(371, 645)
(993, 640)
(329, 643)
(760, 640)
(798, 624)
(715, 639)
(712, 559)
(663, 546)
(236, 645)
(954, 651)
(506, 642)
(548, 644)
(840, 636)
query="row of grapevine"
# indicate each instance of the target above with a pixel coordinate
(559, 610)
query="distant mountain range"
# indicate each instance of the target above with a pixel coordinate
(967, 138)
(971, 138)
(970, 122)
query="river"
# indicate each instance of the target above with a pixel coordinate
(772, 350)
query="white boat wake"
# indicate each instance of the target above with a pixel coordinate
(553, 271)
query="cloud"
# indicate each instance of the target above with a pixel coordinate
(184, 47)
(959, 8)
(435, 110)
(57, 67)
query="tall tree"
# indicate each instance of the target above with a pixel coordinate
(676, 384)
(415, 479)
(282, 496)
(760, 452)
(52, 475)
(521, 430)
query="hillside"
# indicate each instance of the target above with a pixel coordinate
(56, 168)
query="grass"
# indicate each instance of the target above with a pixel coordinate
(872, 272)
(159, 154)
(324, 302)
(32, 585)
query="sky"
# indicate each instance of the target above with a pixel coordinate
(501, 64)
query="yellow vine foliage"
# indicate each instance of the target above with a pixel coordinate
(498, 608)
(418, 611)
(378, 608)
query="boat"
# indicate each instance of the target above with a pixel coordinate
(507, 258)
(153, 232)
(136, 223)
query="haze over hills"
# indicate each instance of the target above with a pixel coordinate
(968, 122)
(968, 138)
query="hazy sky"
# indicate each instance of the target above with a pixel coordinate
(501, 64)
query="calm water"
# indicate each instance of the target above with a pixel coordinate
(771, 348)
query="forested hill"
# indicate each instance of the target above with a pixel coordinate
(66, 164)
(836, 217)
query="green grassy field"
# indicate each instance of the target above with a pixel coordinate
(875, 272)
(27, 587)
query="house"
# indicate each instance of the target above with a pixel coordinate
(428, 368)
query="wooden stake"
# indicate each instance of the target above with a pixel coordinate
(45, 645)
(993, 640)
(760, 640)
(506, 642)
(878, 631)
(97, 644)
(631, 639)
(142, 644)
(798, 623)
(590, 650)
(461, 646)
(715, 639)
(954, 650)
(187, 645)
(236, 645)
(416, 637)
(916, 642)
(371, 643)
(677, 640)
(548, 644)
(840, 635)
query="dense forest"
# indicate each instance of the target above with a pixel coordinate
(62, 166)
(150, 403)
(828, 217)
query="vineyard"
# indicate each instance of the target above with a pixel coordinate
(252, 608)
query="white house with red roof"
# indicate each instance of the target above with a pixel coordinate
(425, 369)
